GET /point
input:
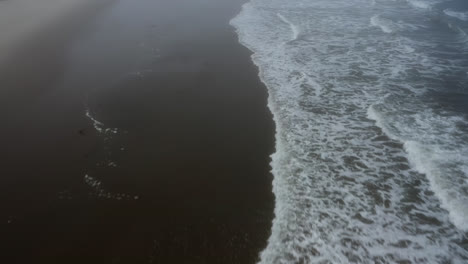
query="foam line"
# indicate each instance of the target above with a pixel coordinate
(460, 15)
(294, 29)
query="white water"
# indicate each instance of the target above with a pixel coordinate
(100, 192)
(434, 151)
(367, 169)
(294, 29)
(460, 15)
(99, 126)
(384, 24)
(107, 163)
(423, 4)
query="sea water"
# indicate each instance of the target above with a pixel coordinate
(370, 100)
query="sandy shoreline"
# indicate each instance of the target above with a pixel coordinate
(192, 142)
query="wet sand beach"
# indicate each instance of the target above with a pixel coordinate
(135, 132)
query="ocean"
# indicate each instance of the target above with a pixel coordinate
(370, 101)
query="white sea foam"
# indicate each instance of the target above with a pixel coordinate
(460, 15)
(436, 148)
(294, 28)
(99, 126)
(107, 163)
(96, 124)
(384, 24)
(345, 192)
(449, 183)
(100, 192)
(462, 35)
(422, 4)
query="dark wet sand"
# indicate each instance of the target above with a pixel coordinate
(192, 181)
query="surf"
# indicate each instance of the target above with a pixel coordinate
(356, 178)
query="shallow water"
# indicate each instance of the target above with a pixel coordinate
(369, 99)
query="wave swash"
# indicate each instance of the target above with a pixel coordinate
(371, 162)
